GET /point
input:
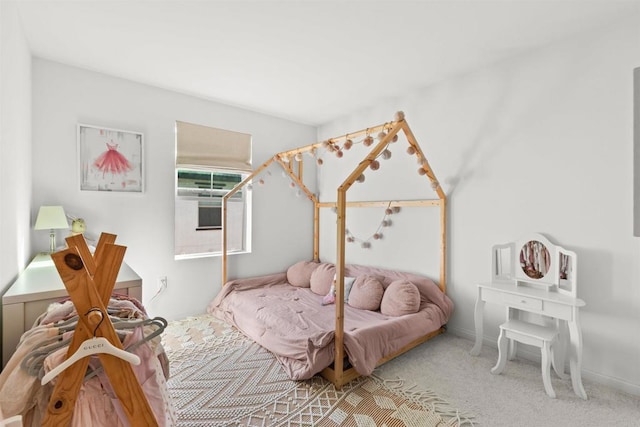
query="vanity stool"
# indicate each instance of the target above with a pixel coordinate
(528, 333)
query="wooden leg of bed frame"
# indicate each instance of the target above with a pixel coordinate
(351, 374)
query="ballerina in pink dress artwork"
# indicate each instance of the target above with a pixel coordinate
(112, 161)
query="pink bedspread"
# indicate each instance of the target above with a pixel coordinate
(291, 322)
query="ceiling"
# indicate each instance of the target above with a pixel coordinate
(307, 61)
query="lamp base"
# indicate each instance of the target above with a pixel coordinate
(52, 243)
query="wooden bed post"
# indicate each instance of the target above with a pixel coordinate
(338, 361)
(443, 244)
(316, 231)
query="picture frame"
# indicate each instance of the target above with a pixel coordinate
(110, 159)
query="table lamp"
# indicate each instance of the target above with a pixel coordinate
(52, 218)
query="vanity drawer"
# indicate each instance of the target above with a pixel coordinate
(521, 302)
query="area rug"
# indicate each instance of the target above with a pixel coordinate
(221, 378)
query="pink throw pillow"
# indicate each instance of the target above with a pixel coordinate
(401, 297)
(322, 278)
(299, 274)
(366, 293)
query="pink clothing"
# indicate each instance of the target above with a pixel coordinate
(112, 161)
(96, 404)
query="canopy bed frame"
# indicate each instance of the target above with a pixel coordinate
(292, 162)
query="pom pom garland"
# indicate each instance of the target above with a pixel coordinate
(339, 153)
(374, 165)
(381, 135)
(399, 115)
(396, 209)
(377, 235)
(386, 154)
(410, 150)
(347, 144)
(361, 178)
(320, 162)
(395, 138)
(261, 181)
(421, 171)
(368, 141)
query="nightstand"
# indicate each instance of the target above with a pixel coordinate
(38, 286)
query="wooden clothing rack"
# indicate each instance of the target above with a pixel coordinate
(292, 163)
(89, 279)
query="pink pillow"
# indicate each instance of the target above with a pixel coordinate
(366, 293)
(401, 297)
(322, 278)
(299, 274)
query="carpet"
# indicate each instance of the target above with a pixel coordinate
(219, 377)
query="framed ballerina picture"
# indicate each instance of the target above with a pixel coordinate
(110, 159)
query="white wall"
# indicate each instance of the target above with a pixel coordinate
(541, 142)
(65, 96)
(15, 146)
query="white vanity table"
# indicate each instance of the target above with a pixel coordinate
(38, 286)
(546, 289)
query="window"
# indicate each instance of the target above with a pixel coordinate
(203, 178)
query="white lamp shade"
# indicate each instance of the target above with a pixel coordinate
(51, 217)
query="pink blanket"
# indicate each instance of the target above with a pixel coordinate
(291, 322)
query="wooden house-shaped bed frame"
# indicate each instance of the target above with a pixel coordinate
(292, 162)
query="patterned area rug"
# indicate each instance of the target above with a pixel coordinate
(221, 378)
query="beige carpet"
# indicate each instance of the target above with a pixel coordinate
(221, 378)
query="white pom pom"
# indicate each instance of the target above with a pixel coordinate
(386, 154)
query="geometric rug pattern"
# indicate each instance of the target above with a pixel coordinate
(219, 377)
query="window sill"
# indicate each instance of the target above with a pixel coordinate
(207, 255)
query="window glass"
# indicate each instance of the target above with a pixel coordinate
(198, 212)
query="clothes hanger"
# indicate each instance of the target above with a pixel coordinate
(91, 346)
(32, 362)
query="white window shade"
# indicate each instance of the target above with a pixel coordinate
(202, 146)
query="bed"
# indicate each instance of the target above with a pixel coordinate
(341, 340)
(292, 322)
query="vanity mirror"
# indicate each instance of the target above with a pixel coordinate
(535, 260)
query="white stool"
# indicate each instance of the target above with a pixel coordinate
(532, 334)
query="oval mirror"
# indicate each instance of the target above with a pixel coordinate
(535, 259)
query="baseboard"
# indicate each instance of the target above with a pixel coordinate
(534, 356)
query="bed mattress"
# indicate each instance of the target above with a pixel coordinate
(292, 323)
